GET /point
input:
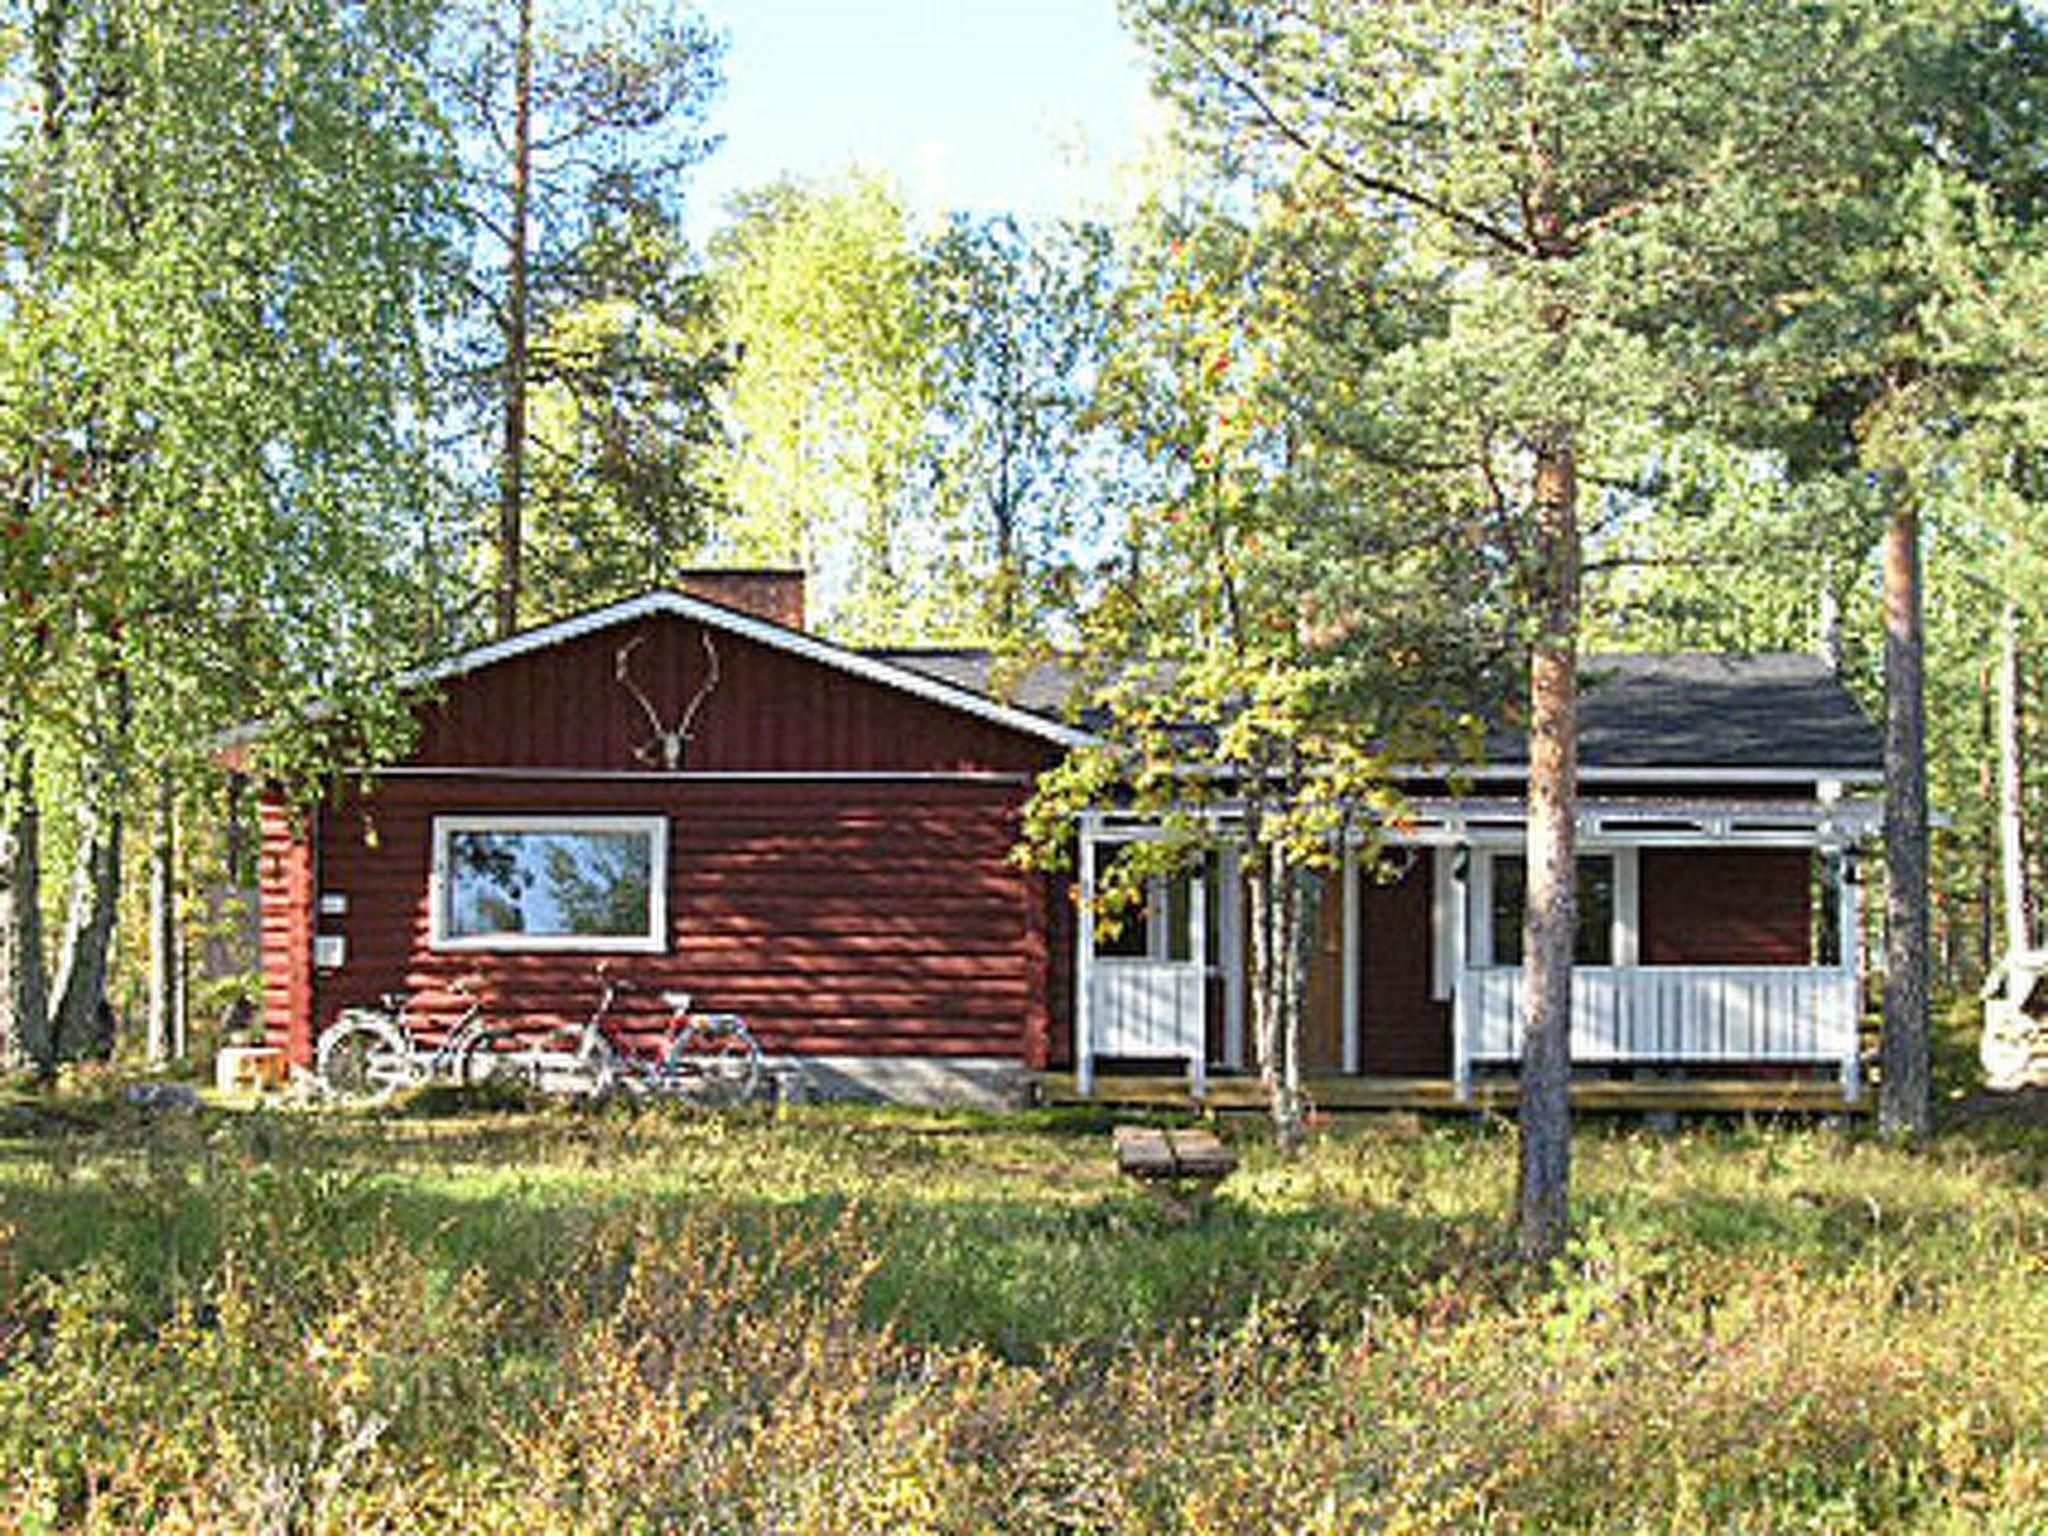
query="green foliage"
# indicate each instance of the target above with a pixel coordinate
(574, 373)
(208, 361)
(222, 225)
(1020, 328)
(849, 1321)
(826, 409)
(623, 424)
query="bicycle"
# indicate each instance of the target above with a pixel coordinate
(368, 1054)
(706, 1058)
(583, 1059)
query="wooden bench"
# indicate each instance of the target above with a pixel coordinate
(1183, 1167)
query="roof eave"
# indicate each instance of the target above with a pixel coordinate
(1675, 773)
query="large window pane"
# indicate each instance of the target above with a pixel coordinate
(1596, 908)
(523, 882)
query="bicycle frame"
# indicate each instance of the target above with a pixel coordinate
(369, 1053)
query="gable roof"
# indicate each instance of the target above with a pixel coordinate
(1709, 715)
(871, 666)
(1779, 713)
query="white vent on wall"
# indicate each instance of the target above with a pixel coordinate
(330, 951)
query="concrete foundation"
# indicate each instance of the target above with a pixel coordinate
(976, 1082)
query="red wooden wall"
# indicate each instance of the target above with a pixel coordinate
(878, 915)
(1748, 906)
(285, 887)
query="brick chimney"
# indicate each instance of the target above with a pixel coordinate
(765, 593)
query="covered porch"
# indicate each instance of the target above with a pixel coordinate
(1720, 941)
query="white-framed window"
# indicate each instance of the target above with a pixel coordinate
(1607, 890)
(550, 882)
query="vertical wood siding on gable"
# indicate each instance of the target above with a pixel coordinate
(1749, 906)
(771, 711)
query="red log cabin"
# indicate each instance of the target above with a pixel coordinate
(691, 790)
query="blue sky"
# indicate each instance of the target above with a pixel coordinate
(980, 104)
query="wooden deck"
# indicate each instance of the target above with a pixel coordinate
(1345, 1094)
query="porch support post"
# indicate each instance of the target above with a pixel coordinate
(1461, 1027)
(1352, 1045)
(1198, 947)
(1849, 913)
(1084, 964)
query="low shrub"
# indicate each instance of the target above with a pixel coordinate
(841, 1323)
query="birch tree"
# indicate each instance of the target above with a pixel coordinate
(829, 400)
(219, 221)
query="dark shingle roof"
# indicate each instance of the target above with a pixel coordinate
(1043, 687)
(1776, 710)
(1769, 711)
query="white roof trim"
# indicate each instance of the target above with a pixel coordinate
(1595, 774)
(762, 632)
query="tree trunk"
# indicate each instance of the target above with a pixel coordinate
(1906, 1094)
(1828, 628)
(82, 1024)
(1989, 929)
(1275, 920)
(1290, 1118)
(512, 458)
(166, 1036)
(1551, 923)
(27, 1033)
(2012, 807)
(82, 1021)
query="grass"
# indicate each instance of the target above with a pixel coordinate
(871, 1321)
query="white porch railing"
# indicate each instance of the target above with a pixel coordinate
(1148, 1008)
(1684, 1013)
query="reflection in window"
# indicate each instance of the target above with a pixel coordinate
(513, 882)
(1595, 944)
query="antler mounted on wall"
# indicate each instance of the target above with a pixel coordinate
(668, 746)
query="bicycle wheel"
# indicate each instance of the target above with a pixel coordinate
(713, 1060)
(497, 1057)
(363, 1058)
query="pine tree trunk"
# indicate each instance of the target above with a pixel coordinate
(2012, 766)
(1551, 923)
(27, 1033)
(512, 455)
(1906, 1094)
